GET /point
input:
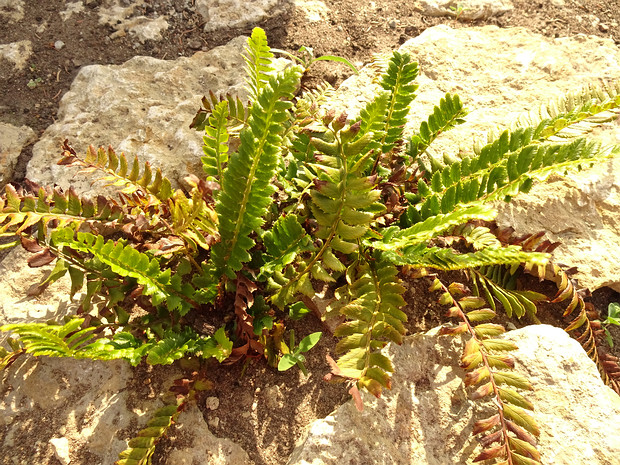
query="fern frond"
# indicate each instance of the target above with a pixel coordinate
(448, 259)
(373, 317)
(258, 60)
(246, 189)
(343, 204)
(236, 112)
(216, 143)
(398, 80)
(498, 282)
(283, 242)
(486, 359)
(69, 340)
(585, 331)
(20, 210)
(395, 238)
(118, 172)
(141, 448)
(308, 106)
(575, 114)
(448, 114)
(192, 219)
(501, 170)
(386, 115)
(128, 262)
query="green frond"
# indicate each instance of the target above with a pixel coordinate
(373, 317)
(501, 170)
(308, 105)
(119, 173)
(258, 60)
(69, 340)
(344, 204)
(236, 112)
(283, 242)
(398, 80)
(448, 114)
(574, 114)
(193, 219)
(141, 448)
(498, 282)
(246, 185)
(386, 115)
(395, 238)
(20, 210)
(126, 261)
(487, 361)
(174, 346)
(216, 143)
(448, 259)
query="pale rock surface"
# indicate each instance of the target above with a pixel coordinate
(315, 10)
(12, 10)
(70, 9)
(122, 17)
(497, 88)
(194, 443)
(143, 107)
(142, 28)
(466, 10)
(61, 450)
(16, 305)
(225, 14)
(17, 53)
(12, 140)
(84, 401)
(427, 417)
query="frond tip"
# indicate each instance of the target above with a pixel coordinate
(372, 309)
(508, 435)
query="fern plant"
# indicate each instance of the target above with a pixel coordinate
(294, 196)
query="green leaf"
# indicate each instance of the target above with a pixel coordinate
(308, 342)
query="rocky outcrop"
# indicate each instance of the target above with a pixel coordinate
(17, 53)
(226, 14)
(499, 74)
(12, 140)
(466, 10)
(143, 107)
(12, 10)
(427, 417)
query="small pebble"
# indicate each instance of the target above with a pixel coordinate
(194, 44)
(603, 27)
(59, 44)
(61, 450)
(212, 403)
(213, 422)
(392, 23)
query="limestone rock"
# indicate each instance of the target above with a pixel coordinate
(143, 28)
(17, 53)
(315, 10)
(142, 107)
(12, 140)
(427, 417)
(12, 10)
(225, 14)
(82, 401)
(497, 87)
(194, 443)
(70, 9)
(581, 210)
(124, 18)
(467, 10)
